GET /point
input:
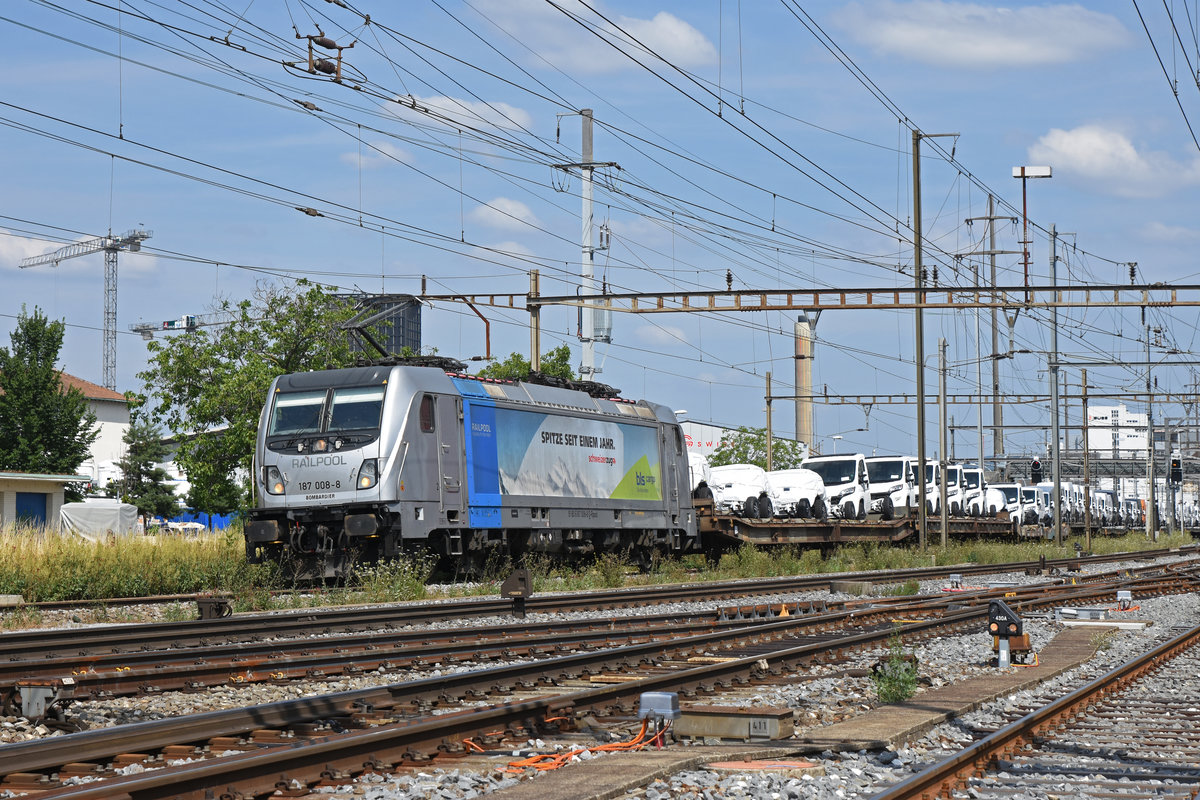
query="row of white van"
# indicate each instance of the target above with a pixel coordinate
(851, 486)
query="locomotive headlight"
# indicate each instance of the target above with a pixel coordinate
(320, 445)
(368, 473)
(273, 478)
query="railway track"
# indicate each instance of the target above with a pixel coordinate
(393, 726)
(81, 642)
(1130, 733)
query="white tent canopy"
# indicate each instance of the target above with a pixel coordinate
(96, 518)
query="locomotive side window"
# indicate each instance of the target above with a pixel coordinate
(357, 408)
(427, 413)
(678, 442)
(296, 412)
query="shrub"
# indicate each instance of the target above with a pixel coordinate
(895, 677)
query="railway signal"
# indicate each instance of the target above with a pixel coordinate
(1176, 469)
(1003, 625)
(1035, 471)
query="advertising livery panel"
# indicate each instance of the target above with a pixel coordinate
(531, 453)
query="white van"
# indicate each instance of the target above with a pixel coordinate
(955, 490)
(999, 497)
(699, 470)
(846, 482)
(933, 492)
(741, 489)
(1033, 506)
(894, 488)
(798, 493)
(973, 487)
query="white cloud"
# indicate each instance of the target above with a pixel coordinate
(1161, 232)
(662, 335)
(1107, 159)
(14, 249)
(504, 213)
(567, 45)
(513, 249)
(467, 113)
(379, 154)
(979, 36)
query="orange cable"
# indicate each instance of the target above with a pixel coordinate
(544, 762)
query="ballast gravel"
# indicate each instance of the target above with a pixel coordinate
(828, 695)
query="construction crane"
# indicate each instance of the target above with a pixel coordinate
(187, 323)
(111, 245)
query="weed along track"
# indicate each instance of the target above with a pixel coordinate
(584, 690)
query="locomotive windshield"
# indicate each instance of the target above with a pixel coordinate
(348, 409)
(354, 409)
(296, 412)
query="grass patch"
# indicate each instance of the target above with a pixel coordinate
(40, 565)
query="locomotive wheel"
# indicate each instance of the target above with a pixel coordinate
(750, 508)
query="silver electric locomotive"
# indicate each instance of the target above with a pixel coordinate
(360, 464)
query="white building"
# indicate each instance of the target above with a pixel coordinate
(1115, 432)
(704, 439)
(112, 418)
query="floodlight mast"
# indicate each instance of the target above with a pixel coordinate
(1024, 173)
(111, 245)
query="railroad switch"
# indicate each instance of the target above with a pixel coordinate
(38, 699)
(214, 607)
(1016, 644)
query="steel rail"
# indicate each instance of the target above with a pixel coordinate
(103, 744)
(940, 779)
(350, 753)
(239, 664)
(255, 627)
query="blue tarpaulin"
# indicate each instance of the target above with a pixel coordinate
(211, 521)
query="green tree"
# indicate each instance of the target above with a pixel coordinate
(44, 427)
(143, 482)
(208, 386)
(557, 362)
(749, 446)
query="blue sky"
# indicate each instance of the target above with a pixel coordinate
(769, 139)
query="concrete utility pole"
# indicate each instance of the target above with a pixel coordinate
(770, 460)
(805, 327)
(942, 461)
(587, 333)
(1056, 451)
(535, 324)
(1151, 516)
(1087, 472)
(594, 320)
(992, 252)
(997, 408)
(920, 327)
(979, 384)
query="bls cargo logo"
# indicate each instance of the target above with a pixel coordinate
(645, 480)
